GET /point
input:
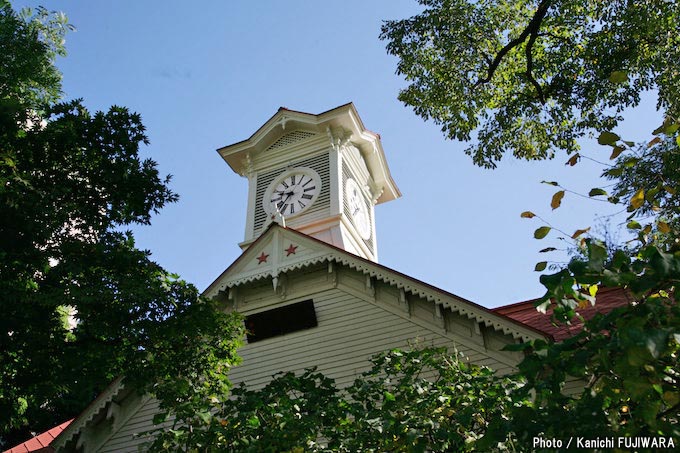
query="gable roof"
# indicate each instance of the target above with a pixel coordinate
(521, 320)
(252, 266)
(344, 118)
(607, 299)
(41, 442)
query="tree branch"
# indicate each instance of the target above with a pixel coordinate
(530, 64)
(531, 32)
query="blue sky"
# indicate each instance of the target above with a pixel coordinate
(206, 75)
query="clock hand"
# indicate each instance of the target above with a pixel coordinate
(287, 198)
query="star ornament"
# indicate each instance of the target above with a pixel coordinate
(291, 250)
(262, 258)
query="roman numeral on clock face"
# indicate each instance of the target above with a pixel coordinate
(294, 192)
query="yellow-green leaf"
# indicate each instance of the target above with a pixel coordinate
(592, 290)
(541, 266)
(527, 215)
(542, 232)
(638, 199)
(631, 162)
(669, 189)
(663, 227)
(669, 127)
(618, 77)
(557, 199)
(578, 233)
(634, 225)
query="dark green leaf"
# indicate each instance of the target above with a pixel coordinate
(608, 138)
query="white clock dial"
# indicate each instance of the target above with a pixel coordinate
(357, 208)
(292, 192)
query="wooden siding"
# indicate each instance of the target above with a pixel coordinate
(357, 318)
(130, 437)
(350, 331)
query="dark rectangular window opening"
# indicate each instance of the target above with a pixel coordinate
(280, 321)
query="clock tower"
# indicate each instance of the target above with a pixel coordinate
(319, 174)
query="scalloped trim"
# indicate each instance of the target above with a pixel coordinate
(414, 288)
(89, 413)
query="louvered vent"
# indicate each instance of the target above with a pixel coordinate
(346, 174)
(290, 138)
(317, 163)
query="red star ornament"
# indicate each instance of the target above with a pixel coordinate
(262, 258)
(291, 250)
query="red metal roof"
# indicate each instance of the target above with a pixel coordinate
(607, 299)
(41, 442)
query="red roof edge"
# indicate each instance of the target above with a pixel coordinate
(41, 442)
(606, 300)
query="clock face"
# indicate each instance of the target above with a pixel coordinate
(292, 192)
(357, 208)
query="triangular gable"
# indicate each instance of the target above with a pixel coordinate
(267, 258)
(276, 251)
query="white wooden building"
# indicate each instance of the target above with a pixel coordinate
(308, 280)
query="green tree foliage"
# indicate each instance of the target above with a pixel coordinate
(527, 78)
(416, 401)
(531, 77)
(429, 400)
(28, 51)
(629, 357)
(80, 303)
(628, 361)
